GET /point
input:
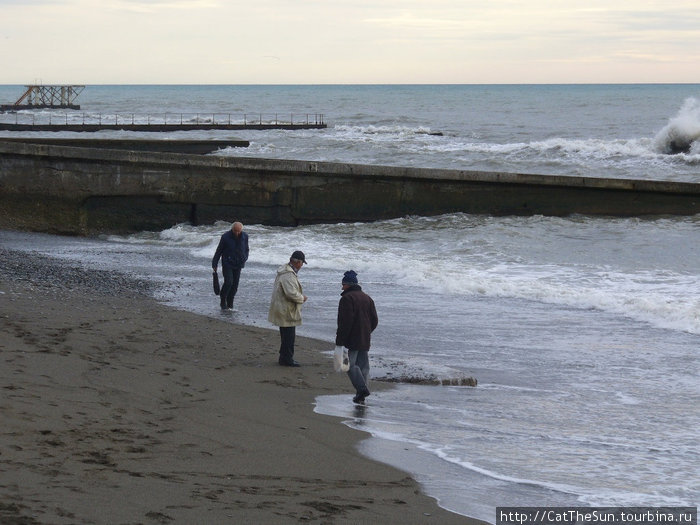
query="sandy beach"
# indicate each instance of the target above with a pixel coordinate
(118, 410)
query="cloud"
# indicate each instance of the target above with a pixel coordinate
(154, 6)
(24, 3)
(221, 41)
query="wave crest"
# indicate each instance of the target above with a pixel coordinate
(681, 131)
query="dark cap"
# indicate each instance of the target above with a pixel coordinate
(299, 256)
(350, 277)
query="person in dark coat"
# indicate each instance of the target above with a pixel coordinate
(233, 252)
(357, 319)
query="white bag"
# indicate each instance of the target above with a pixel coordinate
(341, 362)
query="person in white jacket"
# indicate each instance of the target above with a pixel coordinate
(285, 306)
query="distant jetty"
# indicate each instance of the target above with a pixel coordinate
(62, 97)
(160, 123)
(40, 96)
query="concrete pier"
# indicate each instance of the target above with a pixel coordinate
(196, 147)
(154, 128)
(85, 191)
(88, 123)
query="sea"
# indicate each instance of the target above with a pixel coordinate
(582, 332)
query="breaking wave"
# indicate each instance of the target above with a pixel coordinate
(681, 131)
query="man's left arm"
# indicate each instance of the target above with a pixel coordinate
(217, 254)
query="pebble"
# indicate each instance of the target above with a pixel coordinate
(40, 273)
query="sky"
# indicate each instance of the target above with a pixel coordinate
(348, 42)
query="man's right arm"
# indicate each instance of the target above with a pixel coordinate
(217, 254)
(344, 321)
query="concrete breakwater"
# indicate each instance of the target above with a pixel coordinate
(87, 190)
(198, 147)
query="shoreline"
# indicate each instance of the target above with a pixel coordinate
(119, 409)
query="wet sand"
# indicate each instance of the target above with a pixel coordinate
(118, 410)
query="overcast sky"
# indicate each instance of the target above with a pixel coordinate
(353, 41)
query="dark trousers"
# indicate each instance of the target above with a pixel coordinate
(228, 290)
(287, 335)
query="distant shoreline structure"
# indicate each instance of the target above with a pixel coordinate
(39, 96)
(19, 107)
(46, 96)
(162, 124)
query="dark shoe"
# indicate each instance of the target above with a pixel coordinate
(288, 363)
(360, 398)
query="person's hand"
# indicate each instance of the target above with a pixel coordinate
(305, 298)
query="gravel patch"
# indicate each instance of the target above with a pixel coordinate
(38, 270)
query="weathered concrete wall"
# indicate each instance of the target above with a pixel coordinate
(86, 191)
(195, 147)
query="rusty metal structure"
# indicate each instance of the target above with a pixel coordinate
(41, 96)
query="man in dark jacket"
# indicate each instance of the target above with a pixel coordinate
(233, 252)
(357, 319)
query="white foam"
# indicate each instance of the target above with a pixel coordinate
(397, 130)
(471, 256)
(683, 128)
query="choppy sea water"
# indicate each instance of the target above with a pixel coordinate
(577, 130)
(582, 332)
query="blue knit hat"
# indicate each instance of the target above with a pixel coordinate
(350, 277)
